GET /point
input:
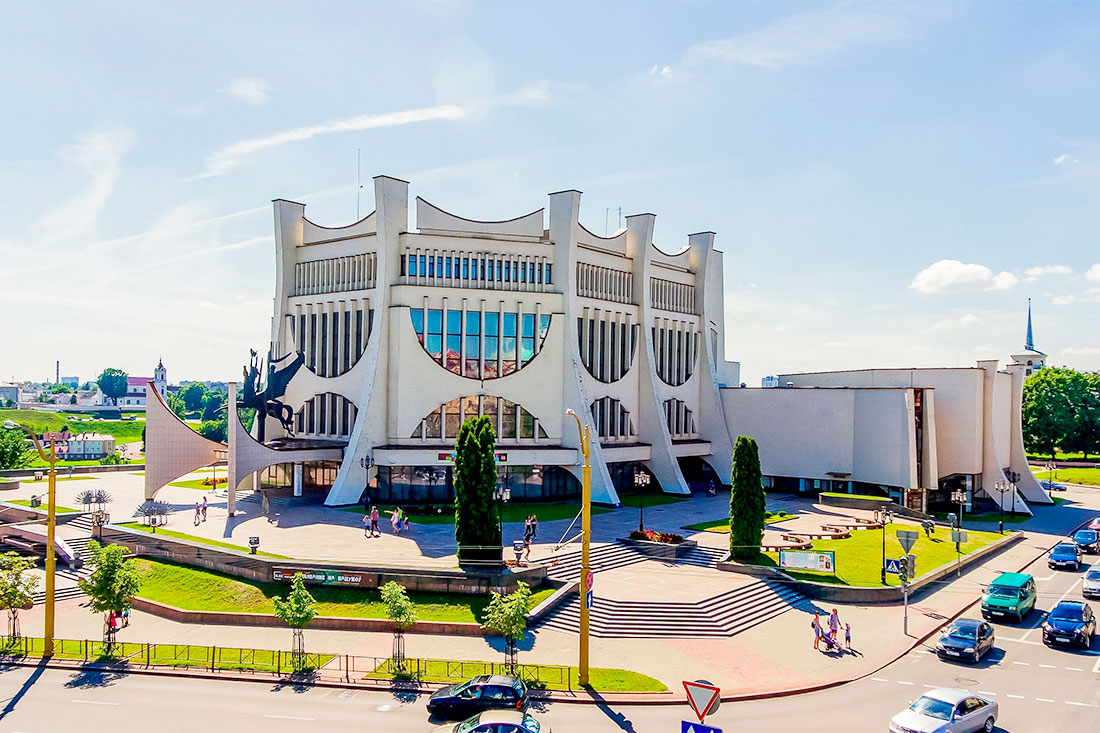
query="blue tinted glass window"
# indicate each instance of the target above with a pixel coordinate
(431, 265)
(435, 321)
(509, 350)
(465, 268)
(509, 324)
(549, 273)
(526, 349)
(454, 322)
(522, 274)
(434, 345)
(473, 323)
(490, 348)
(544, 326)
(492, 323)
(473, 347)
(507, 272)
(447, 267)
(417, 320)
(531, 271)
(528, 325)
(423, 265)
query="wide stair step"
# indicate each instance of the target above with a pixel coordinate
(61, 594)
(604, 557)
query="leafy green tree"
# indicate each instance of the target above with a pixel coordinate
(113, 384)
(402, 614)
(1047, 411)
(15, 451)
(176, 405)
(1084, 397)
(214, 429)
(747, 500)
(211, 403)
(17, 588)
(111, 459)
(72, 400)
(193, 395)
(507, 616)
(111, 587)
(60, 389)
(476, 529)
(296, 611)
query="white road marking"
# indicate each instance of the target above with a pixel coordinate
(1060, 599)
(1048, 666)
(95, 702)
(1075, 669)
(1096, 667)
(387, 708)
(1023, 664)
(1043, 699)
(1023, 641)
(983, 692)
(1016, 697)
(1081, 704)
(874, 679)
(932, 687)
(903, 682)
(287, 717)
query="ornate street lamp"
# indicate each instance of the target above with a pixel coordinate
(641, 481)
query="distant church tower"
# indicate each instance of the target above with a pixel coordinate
(160, 378)
(1030, 358)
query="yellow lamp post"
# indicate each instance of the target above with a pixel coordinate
(586, 535)
(51, 524)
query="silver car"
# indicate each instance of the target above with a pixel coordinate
(947, 710)
(497, 721)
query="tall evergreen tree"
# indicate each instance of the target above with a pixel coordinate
(476, 529)
(746, 500)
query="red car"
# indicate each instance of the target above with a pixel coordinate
(1095, 524)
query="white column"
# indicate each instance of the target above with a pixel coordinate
(297, 479)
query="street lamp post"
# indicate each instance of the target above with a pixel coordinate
(1052, 471)
(1013, 478)
(51, 524)
(1001, 487)
(502, 496)
(641, 480)
(586, 535)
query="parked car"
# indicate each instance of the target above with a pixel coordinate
(1049, 486)
(1065, 555)
(1010, 595)
(485, 692)
(965, 640)
(947, 710)
(497, 721)
(1094, 524)
(1090, 588)
(1070, 622)
(1087, 539)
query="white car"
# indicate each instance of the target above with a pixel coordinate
(947, 710)
(1091, 586)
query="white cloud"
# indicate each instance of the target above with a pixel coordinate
(536, 94)
(249, 89)
(1081, 351)
(1063, 299)
(663, 72)
(952, 276)
(1034, 273)
(968, 320)
(808, 38)
(1065, 159)
(836, 344)
(1093, 275)
(230, 156)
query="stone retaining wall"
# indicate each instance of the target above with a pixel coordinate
(66, 470)
(854, 502)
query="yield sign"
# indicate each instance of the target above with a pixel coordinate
(907, 538)
(703, 697)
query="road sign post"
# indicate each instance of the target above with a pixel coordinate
(958, 536)
(686, 726)
(703, 697)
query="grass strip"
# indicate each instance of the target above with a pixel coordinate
(448, 671)
(1086, 476)
(60, 509)
(194, 538)
(722, 526)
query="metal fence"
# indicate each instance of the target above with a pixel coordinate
(334, 667)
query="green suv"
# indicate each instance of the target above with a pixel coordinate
(1010, 595)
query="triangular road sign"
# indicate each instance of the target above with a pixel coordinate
(907, 538)
(702, 697)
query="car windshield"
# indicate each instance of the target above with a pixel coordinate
(1093, 575)
(468, 725)
(1085, 535)
(531, 724)
(1066, 613)
(1001, 591)
(1064, 549)
(963, 631)
(933, 708)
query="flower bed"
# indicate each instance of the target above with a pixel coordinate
(211, 481)
(649, 535)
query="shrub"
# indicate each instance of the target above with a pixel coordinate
(668, 538)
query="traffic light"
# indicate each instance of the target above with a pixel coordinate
(903, 569)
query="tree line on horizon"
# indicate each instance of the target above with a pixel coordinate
(1061, 412)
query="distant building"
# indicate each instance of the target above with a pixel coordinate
(73, 382)
(135, 389)
(769, 382)
(10, 393)
(86, 447)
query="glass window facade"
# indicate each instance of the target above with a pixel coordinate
(480, 345)
(435, 484)
(510, 421)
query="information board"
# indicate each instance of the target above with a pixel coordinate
(821, 562)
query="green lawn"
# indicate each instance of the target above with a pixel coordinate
(196, 483)
(60, 477)
(124, 431)
(202, 540)
(513, 512)
(60, 509)
(856, 496)
(1087, 476)
(722, 526)
(197, 589)
(37, 462)
(859, 557)
(1060, 456)
(552, 678)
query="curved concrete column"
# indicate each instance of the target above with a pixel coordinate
(172, 448)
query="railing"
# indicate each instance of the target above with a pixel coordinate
(346, 667)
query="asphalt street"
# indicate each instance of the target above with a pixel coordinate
(1037, 688)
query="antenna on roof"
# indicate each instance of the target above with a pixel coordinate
(358, 184)
(606, 213)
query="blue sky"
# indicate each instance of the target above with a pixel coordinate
(889, 182)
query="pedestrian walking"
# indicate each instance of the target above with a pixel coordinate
(848, 636)
(374, 531)
(125, 617)
(204, 508)
(366, 525)
(527, 528)
(834, 623)
(534, 526)
(816, 625)
(198, 514)
(265, 505)
(527, 548)
(395, 520)
(408, 522)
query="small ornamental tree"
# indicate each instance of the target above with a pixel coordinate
(296, 611)
(15, 452)
(402, 614)
(747, 500)
(17, 588)
(113, 383)
(507, 616)
(111, 587)
(476, 529)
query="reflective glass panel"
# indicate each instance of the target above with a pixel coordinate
(492, 324)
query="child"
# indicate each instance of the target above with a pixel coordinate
(408, 522)
(848, 636)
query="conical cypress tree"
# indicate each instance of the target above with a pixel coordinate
(746, 500)
(476, 524)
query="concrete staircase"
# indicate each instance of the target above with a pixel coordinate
(703, 557)
(78, 535)
(604, 557)
(723, 615)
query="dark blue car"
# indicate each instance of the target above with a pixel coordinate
(1087, 539)
(1065, 555)
(1070, 622)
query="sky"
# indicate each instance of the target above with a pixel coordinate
(889, 182)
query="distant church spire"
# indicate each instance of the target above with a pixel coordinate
(1030, 345)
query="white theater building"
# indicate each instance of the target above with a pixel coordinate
(411, 321)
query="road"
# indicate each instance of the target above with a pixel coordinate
(1038, 689)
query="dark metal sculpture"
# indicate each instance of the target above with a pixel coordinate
(264, 398)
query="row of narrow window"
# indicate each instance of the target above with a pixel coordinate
(336, 274)
(607, 347)
(671, 296)
(675, 350)
(497, 272)
(332, 341)
(326, 414)
(605, 283)
(612, 419)
(679, 419)
(510, 420)
(480, 345)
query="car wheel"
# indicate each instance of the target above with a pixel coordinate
(989, 725)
